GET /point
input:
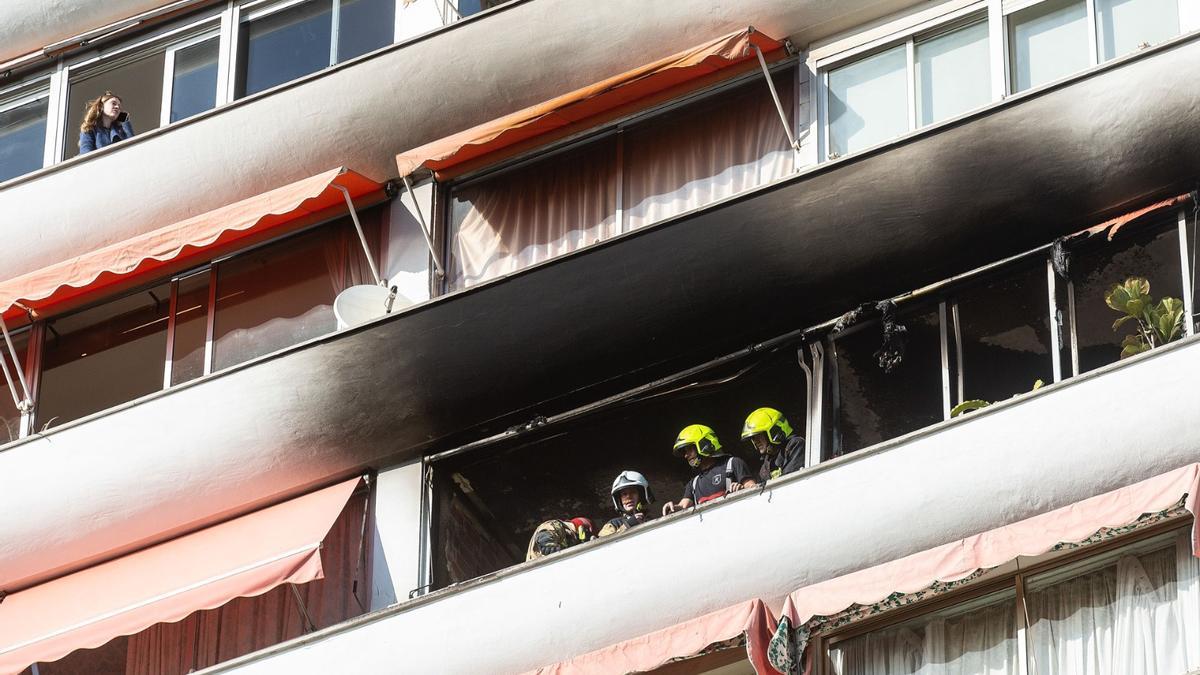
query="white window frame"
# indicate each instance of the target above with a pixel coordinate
(168, 87)
(962, 17)
(1189, 20)
(25, 93)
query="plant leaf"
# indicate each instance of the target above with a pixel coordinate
(1133, 344)
(1119, 322)
(968, 406)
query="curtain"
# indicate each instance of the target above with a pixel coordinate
(979, 642)
(245, 625)
(706, 152)
(344, 255)
(530, 214)
(1131, 617)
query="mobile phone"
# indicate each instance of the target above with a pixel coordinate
(122, 117)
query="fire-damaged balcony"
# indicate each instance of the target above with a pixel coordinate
(644, 305)
(1045, 451)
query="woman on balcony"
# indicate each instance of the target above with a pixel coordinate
(104, 123)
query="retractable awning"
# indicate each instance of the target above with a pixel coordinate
(1111, 226)
(144, 254)
(591, 105)
(751, 619)
(945, 567)
(246, 556)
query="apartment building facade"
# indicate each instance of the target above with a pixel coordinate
(579, 228)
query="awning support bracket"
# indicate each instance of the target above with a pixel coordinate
(25, 403)
(787, 129)
(362, 237)
(437, 265)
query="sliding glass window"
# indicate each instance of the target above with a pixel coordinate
(921, 81)
(193, 79)
(23, 136)
(1124, 26)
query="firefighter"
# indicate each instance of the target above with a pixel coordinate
(631, 497)
(781, 450)
(717, 474)
(553, 536)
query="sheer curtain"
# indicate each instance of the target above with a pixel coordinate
(1136, 616)
(978, 642)
(706, 152)
(534, 213)
(344, 254)
(245, 625)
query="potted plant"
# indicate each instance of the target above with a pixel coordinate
(1157, 324)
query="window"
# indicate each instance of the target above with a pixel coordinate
(193, 79)
(1050, 40)
(873, 405)
(466, 8)
(1151, 253)
(139, 83)
(282, 43)
(265, 299)
(116, 349)
(23, 135)
(1133, 610)
(10, 416)
(1001, 331)
(647, 171)
(488, 502)
(875, 98)
(1123, 26)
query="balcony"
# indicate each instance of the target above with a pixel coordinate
(1011, 461)
(991, 185)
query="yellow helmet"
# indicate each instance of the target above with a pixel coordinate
(769, 421)
(700, 436)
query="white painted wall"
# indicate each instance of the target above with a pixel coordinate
(1016, 459)
(395, 548)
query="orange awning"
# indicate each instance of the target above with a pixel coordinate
(1113, 225)
(246, 556)
(145, 253)
(750, 619)
(589, 103)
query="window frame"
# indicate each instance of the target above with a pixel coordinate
(971, 15)
(445, 191)
(23, 93)
(1013, 579)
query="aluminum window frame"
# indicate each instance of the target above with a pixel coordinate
(34, 89)
(966, 17)
(169, 66)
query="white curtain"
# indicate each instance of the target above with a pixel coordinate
(1136, 616)
(706, 152)
(979, 642)
(531, 214)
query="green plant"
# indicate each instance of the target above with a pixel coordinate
(977, 403)
(1157, 324)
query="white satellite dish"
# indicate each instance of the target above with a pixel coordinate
(359, 304)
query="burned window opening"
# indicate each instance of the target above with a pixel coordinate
(488, 503)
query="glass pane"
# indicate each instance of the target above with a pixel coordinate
(194, 88)
(1005, 329)
(22, 139)
(1123, 26)
(9, 415)
(468, 7)
(533, 213)
(706, 151)
(191, 328)
(1153, 255)
(868, 101)
(874, 406)
(365, 25)
(952, 73)
(1114, 614)
(139, 84)
(1048, 41)
(282, 294)
(975, 637)
(285, 45)
(103, 356)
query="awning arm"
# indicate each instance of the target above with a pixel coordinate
(424, 229)
(362, 237)
(25, 404)
(787, 129)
